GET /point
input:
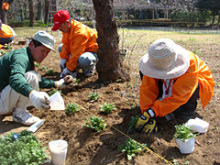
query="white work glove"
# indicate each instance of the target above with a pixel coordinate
(40, 100)
(67, 72)
(66, 82)
(62, 64)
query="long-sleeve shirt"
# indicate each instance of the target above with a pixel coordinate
(13, 67)
(80, 39)
(183, 88)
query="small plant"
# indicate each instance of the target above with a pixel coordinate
(43, 68)
(107, 108)
(132, 123)
(132, 148)
(183, 132)
(36, 64)
(72, 108)
(54, 91)
(96, 123)
(21, 148)
(50, 71)
(76, 80)
(93, 96)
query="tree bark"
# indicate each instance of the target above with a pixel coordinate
(110, 66)
(31, 11)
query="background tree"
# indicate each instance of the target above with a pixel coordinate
(212, 5)
(31, 13)
(109, 66)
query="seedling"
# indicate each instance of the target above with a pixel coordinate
(93, 96)
(107, 108)
(43, 68)
(183, 132)
(76, 80)
(96, 123)
(36, 64)
(50, 71)
(21, 148)
(132, 123)
(54, 91)
(131, 148)
(72, 108)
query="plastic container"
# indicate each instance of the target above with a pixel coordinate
(187, 146)
(198, 125)
(58, 151)
(56, 102)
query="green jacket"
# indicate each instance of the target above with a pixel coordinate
(13, 67)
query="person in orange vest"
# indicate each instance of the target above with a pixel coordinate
(79, 46)
(173, 78)
(6, 33)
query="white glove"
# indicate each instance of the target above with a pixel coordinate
(66, 82)
(67, 72)
(40, 100)
(62, 64)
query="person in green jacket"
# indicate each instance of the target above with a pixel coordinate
(20, 84)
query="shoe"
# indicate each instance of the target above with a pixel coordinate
(24, 117)
(90, 71)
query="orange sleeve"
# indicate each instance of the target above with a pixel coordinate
(206, 83)
(5, 32)
(5, 6)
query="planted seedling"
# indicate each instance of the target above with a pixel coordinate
(54, 91)
(21, 148)
(131, 148)
(50, 71)
(93, 96)
(132, 123)
(72, 108)
(107, 108)
(76, 80)
(36, 64)
(96, 123)
(183, 132)
(43, 68)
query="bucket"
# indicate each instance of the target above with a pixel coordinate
(198, 125)
(56, 102)
(58, 151)
(187, 146)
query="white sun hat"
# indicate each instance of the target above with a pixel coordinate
(45, 38)
(165, 60)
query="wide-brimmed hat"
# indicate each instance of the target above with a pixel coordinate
(45, 38)
(165, 60)
(59, 18)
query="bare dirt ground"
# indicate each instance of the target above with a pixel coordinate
(86, 147)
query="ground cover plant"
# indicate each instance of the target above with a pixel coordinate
(88, 147)
(72, 108)
(107, 108)
(21, 148)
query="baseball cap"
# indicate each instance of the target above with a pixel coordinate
(45, 38)
(59, 18)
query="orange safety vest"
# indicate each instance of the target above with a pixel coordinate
(80, 39)
(183, 88)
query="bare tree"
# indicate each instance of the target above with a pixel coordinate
(109, 66)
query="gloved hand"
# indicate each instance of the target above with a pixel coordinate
(150, 126)
(67, 72)
(62, 64)
(144, 122)
(66, 82)
(40, 100)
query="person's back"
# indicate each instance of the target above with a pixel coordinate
(6, 33)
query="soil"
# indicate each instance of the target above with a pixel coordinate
(87, 147)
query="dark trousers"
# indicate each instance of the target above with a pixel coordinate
(186, 110)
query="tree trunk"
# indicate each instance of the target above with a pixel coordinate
(109, 66)
(46, 9)
(39, 11)
(31, 11)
